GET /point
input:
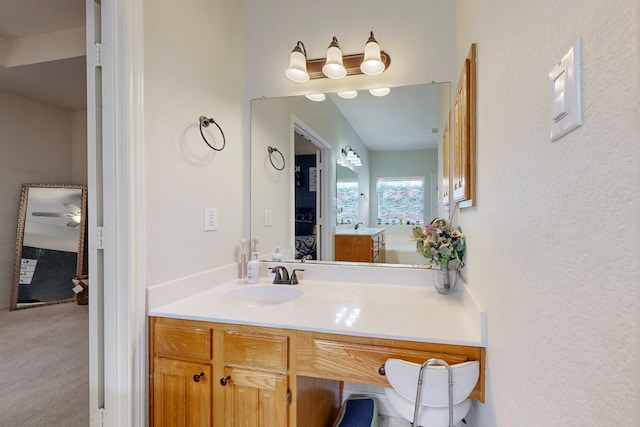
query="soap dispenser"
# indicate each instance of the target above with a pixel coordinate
(253, 269)
(277, 257)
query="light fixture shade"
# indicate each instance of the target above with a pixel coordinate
(318, 97)
(348, 94)
(372, 63)
(381, 91)
(333, 67)
(297, 69)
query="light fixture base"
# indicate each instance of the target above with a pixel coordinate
(351, 63)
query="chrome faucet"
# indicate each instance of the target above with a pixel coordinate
(282, 275)
(358, 225)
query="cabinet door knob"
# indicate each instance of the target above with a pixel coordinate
(196, 377)
(223, 381)
(381, 370)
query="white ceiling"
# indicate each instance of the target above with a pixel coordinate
(61, 83)
(402, 120)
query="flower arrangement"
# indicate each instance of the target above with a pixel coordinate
(440, 244)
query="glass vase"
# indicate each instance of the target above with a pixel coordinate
(445, 279)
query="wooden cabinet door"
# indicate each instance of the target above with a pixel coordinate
(179, 399)
(255, 399)
(464, 134)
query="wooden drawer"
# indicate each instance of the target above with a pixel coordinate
(361, 362)
(255, 350)
(182, 342)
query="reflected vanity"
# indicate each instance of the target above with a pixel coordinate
(50, 244)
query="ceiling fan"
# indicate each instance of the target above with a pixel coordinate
(74, 214)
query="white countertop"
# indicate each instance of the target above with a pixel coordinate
(362, 231)
(415, 313)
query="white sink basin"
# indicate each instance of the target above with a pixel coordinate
(258, 295)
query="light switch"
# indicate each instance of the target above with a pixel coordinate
(566, 93)
(268, 217)
(559, 107)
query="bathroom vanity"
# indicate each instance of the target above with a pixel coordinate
(361, 245)
(235, 352)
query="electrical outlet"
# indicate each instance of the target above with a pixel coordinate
(210, 219)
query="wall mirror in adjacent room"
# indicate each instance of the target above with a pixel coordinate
(50, 245)
(395, 137)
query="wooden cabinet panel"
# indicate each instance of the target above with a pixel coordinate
(244, 349)
(446, 159)
(359, 248)
(361, 363)
(180, 401)
(464, 134)
(255, 399)
(182, 341)
(358, 359)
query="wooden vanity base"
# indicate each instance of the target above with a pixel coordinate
(216, 374)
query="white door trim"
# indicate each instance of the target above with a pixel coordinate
(118, 365)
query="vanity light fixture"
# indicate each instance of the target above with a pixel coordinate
(297, 69)
(381, 91)
(317, 97)
(336, 66)
(348, 94)
(372, 64)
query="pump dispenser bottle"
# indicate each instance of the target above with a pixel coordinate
(253, 269)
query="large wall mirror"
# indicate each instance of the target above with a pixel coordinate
(50, 244)
(396, 139)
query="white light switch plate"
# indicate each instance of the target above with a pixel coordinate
(268, 217)
(565, 80)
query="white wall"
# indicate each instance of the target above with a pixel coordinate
(193, 66)
(33, 151)
(418, 35)
(553, 241)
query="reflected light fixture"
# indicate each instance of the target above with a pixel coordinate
(336, 66)
(348, 94)
(297, 69)
(351, 156)
(381, 91)
(317, 97)
(372, 64)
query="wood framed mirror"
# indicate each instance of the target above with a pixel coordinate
(50, 244)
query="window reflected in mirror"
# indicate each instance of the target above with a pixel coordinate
(400, 201)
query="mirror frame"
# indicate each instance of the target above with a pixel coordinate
(80, 260)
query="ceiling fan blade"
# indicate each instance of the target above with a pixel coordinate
(52, 214)
(73, 208)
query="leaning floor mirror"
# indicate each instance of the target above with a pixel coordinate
(50, 245)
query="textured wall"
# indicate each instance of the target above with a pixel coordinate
(193, 66)
(553, 241)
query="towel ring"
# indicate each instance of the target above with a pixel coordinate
(205, 122)
(271, 151)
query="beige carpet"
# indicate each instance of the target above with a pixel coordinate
(44, 366)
